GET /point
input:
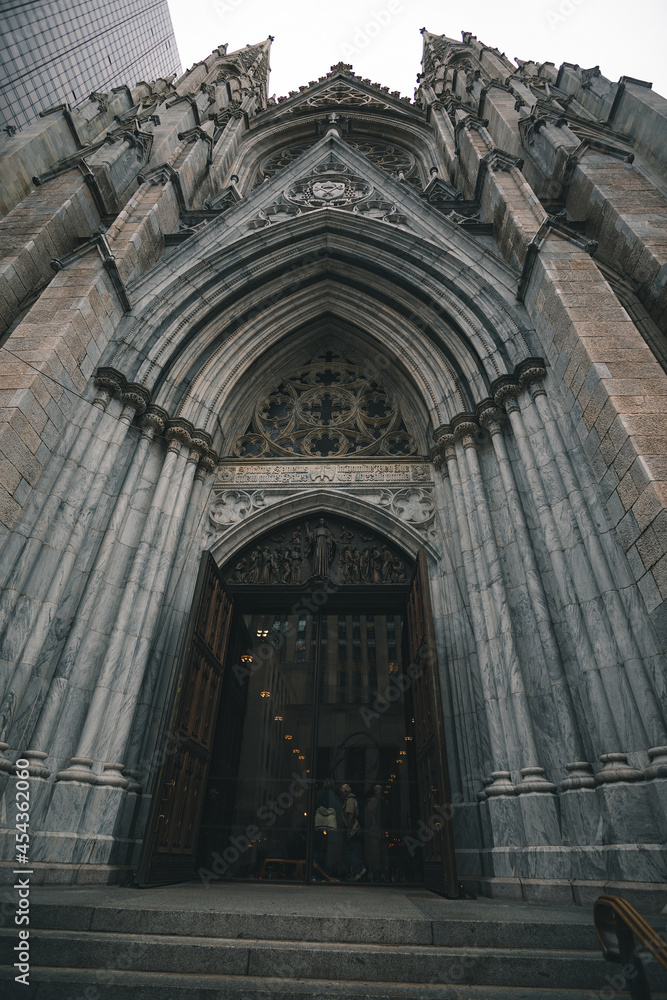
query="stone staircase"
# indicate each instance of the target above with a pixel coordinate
(283, 941)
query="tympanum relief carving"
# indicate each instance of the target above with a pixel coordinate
(316, 549)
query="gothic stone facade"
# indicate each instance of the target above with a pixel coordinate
(488, 263)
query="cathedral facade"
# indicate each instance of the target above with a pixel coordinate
(337, 367)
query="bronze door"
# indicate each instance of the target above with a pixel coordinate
(176, 810)
(431, 761)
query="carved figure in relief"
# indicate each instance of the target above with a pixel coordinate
(387, 564)
(365, 565)
(275, 562)
(322, 545)
(346, 566)
(398, 572)
(376, 565)
(286, 565)
(346, 534)
(265, 572)
(254, 568)
(239, 573)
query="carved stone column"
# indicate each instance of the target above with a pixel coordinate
(600, 717)
(474, 750)
(623, 638)
(498, 746)
(27, 632)
(121, 705)
(80, 768)
(492, 418)
(74, 673)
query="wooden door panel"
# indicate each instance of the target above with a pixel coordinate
(175, 817)
(426, 706)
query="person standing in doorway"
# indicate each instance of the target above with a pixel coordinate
(352, 847)
(327, 808)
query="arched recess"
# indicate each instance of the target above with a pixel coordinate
(446, 313)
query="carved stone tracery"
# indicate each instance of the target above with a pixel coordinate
(390, 156)
(329, 407)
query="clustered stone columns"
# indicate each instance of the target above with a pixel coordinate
(610, 656)
(40, 558)
(512, 740)
(604, 684)
(94, 688)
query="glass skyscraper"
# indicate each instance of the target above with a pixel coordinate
(58, 51)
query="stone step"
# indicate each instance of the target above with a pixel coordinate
(66, 983)
(504, 930)
(515, 967)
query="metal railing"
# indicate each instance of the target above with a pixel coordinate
(618, 924)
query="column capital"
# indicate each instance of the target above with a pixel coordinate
(136, 396)
(466, 429)
(505, 391)
(155, 418)
(491, 416)
(445, 442)
(531, 372)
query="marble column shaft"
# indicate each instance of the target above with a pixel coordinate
(473, 736)
(624, 638)
(509, 676)
(27, 632)
(560, 688)
(122, 699)
(174, 614)
(601, 719)
(77, 663)
(126, 615)
(24, 544)
(496, 720)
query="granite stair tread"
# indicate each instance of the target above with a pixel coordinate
(60, 984)
(338, 961)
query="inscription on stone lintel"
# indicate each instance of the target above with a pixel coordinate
(347, 474)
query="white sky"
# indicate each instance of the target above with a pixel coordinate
(381, 37)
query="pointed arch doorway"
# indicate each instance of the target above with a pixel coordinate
(309, 665)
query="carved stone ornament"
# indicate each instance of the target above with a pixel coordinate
(330, 184)
(330, 407)
(403, 489)
(316, 549)
(391, 157)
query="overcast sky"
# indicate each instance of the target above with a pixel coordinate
(381, 37)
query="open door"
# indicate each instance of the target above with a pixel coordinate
(170, 846)
(431, 759)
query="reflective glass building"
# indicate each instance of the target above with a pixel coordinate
(58, 51)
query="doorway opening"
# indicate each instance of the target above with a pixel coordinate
(317, 780)
(307, 721)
